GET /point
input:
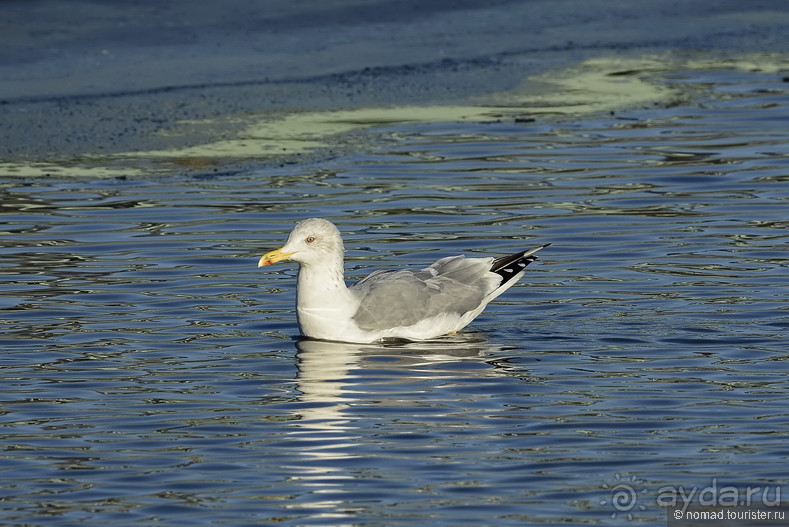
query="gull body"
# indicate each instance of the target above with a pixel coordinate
(406, 304)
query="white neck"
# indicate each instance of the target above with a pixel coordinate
(322, 299)
(317, 283)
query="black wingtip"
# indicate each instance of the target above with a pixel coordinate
(508, 267)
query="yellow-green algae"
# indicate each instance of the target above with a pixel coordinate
(596, 85)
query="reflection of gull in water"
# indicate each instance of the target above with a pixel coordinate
(320, 433)
(326, 380)
(325, 367)
(324, 432)
(408, 304)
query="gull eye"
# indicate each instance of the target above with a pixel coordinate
(310, 239)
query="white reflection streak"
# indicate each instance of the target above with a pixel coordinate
(322, 431)
(323, 368)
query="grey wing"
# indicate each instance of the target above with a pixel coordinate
(453, 285)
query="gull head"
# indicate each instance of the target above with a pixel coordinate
(311, 241)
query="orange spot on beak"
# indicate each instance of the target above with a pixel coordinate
(274, 257)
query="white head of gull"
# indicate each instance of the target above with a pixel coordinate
(404, 304)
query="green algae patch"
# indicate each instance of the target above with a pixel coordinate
(602, 84)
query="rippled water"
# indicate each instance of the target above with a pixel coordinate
(150, 371)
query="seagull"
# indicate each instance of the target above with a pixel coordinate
(407, 304)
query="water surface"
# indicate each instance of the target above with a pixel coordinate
(150, 372)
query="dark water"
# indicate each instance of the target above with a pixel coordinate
(150, 375)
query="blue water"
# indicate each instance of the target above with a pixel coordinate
(150, 372)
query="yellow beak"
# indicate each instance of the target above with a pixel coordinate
(274, 257)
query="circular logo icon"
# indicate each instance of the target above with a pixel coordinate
(623, 496)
